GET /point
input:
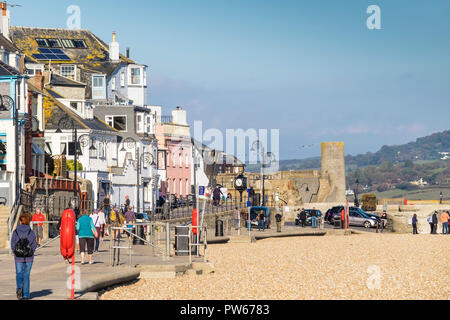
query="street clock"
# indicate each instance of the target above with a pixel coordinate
(240, 183)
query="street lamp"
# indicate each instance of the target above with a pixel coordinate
(67, 123)
(145, 158)
(264, 164)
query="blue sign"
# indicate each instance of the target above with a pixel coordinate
(201, 191)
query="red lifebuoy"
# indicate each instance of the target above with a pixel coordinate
(68, 234)
(194, 221)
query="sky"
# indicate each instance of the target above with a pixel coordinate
(311, 69)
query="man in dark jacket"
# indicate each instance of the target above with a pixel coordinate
(435, 222)
(303, 217)
(216, 195)
(23, 264)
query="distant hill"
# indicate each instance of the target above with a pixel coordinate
(426, 148)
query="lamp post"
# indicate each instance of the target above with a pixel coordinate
(67, 123)
(144, 158)
(356, 193)
(8, 104)
(263, 162)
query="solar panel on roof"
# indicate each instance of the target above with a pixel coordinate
(57, 51)
(43, 50)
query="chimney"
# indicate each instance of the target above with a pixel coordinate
(114, 49)
(37, 80)
(4, 20)
(128, 53)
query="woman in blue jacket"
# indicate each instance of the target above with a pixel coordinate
(23, 264)
(86, 234)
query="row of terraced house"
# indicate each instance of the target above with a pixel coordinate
(53, 81)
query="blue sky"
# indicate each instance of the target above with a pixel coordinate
(309, 68)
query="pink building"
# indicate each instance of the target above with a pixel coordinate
(175, 154)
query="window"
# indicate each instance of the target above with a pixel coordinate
(80, 44)
(67, 43)
(136, 76)
(187, 186)
(181, 187)
(113, 84)
(173, 160)
(42, 42)
(140, 123)
(145, 77)
(68, 71)
(180, 159)
(54, 43)
(117, 122)
(98, 87)
(122, 79)
(76, 105)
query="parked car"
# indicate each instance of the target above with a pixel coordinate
(308, 217)
(357, 217)
(140, 217)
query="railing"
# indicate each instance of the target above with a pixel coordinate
(168, 213)
(166, 119)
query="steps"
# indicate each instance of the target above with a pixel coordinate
(4, 215)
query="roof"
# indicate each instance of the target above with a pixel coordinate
(58, 80)
(93, 59)
(55, 110)
(7, 44)
(219, 156)
(7, 70)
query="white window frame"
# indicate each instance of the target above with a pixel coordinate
(97, 88)
(122, 79)
(72, 75)
(110, 121)
(130, 76)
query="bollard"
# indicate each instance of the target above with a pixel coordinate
(168, 240)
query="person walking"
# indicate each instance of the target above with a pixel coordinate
(314, 218)
(130, 219)
(23, 245)
(96, 218)
(102, 218)
(261, 220)
(278, 218)
(444, 220)
(107, 208)
(217, 193)
(126, 205)
(87, 234)
(38, 228)
(303, 217)
(435, 222)
(236, 217)
(414, 224)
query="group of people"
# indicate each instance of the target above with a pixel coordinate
(90, 229)
(303, 217)
(433, 221)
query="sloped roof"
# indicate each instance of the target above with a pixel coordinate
(7, 70)
(55, 110)
(7, 44)
(58, 80)
(219, 157)
(94, 58)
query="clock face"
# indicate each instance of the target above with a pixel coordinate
(239, 183)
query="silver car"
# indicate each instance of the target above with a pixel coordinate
(357, 218)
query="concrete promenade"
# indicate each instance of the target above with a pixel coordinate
(50, 273)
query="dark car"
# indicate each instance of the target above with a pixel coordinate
(308, 217)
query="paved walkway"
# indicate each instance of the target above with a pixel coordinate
(50, 274)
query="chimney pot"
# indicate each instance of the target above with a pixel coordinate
(128, 53)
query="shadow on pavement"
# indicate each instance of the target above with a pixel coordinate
(40, 294)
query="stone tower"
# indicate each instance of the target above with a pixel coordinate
(333, 173)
